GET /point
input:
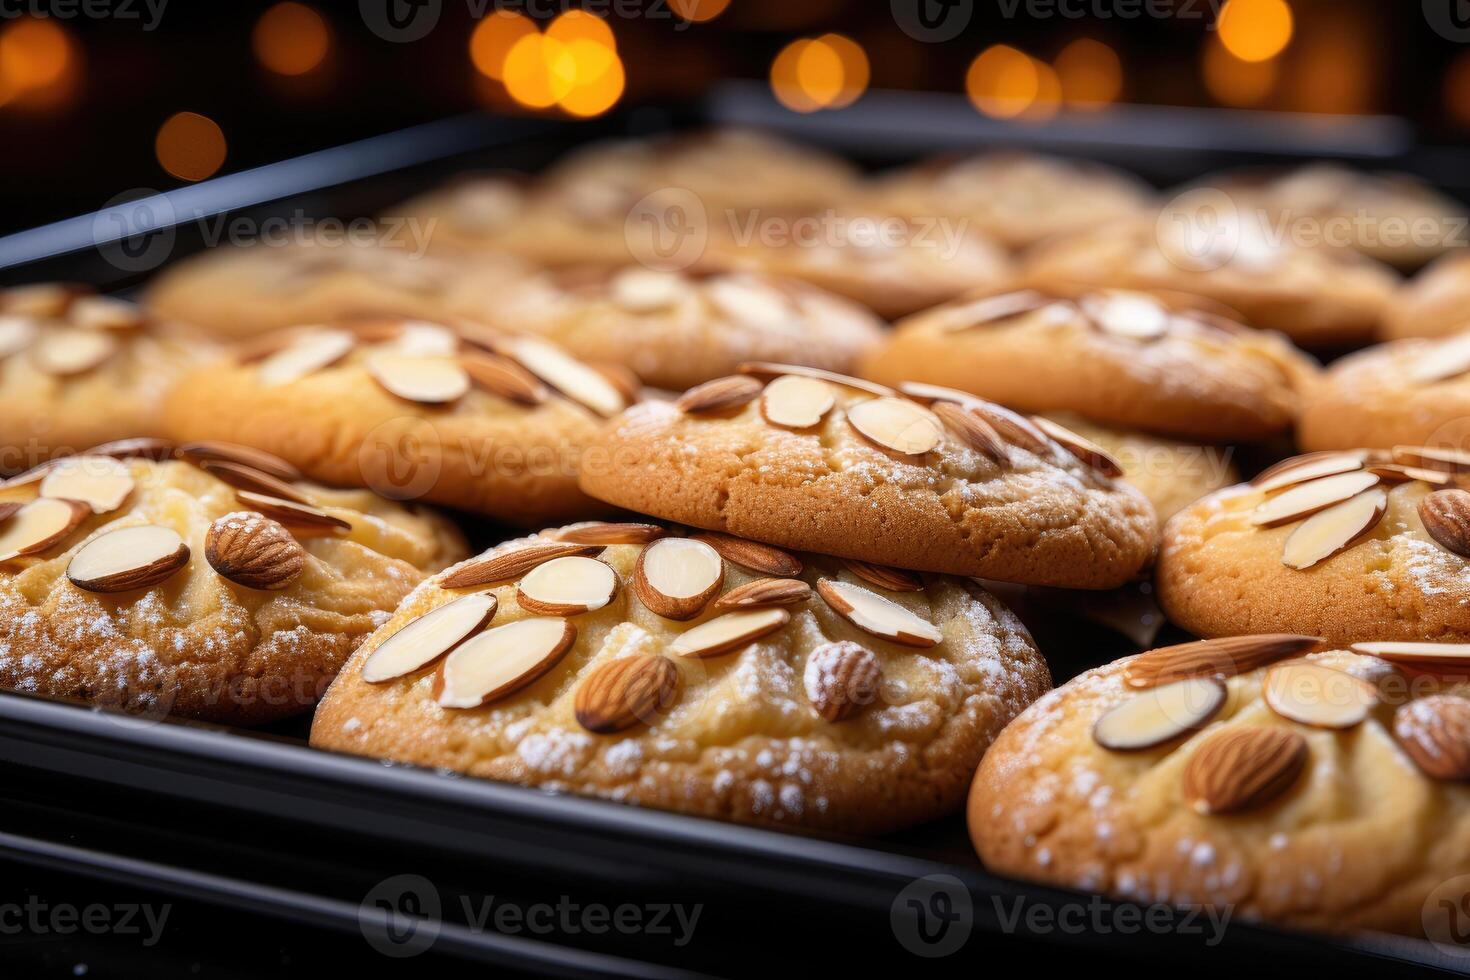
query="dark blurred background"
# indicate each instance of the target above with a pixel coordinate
(98, 96)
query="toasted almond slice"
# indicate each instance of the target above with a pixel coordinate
(719, 395)
(1160, 714)
(1302, 469)
(301, 519)
(311, 352)
(8, 508)
(1394, 473)
(567, 375)
(1455, 655)
(1445, 515)
(897, 425)
(1311, 694)
(752, 554)
(1225, 656)
(41, 299)
(604, 533)
(1013, 427)
(797, 402)
(1086, 450)
(504, 565)
(974, 431)
(428, 380)
(429, 637)
(420, 338)
(129, 558)
(228, 452)
(1132, 316)
(620, 377)
(66, 351)
(1443, 361)
(140, 448)
(751, 302)
(765, 592)
(1306, 499)
(501, 661)
(504, 377)
(105, 313)
(1435, 733)
(647, 290)
(991, 309)
(100, 482)
(243, 477)
(1325, 534)
(728, 633)
(927, 394)
(567, 587)
(677, 577)
(892, 579)
(766, 369)
(839, 678)
(872, 613)
(40, 526)
(16, 333)
(1243, 768)
(1432, 458)
(625, 692)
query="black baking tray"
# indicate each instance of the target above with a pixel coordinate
(258, 823)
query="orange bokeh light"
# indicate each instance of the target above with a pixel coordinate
(539, 71)
(1091, 74)
(784, 78)
(577, 25)
(1003, 82)
(1256, 30)
(291, 39)
(493, 38)
(1048, 99)
(855, 69)
(190, 146)
(39, 63)
(600, 95)
(699, 10)
(1238, 83)
(1457, 89)
(829, 72)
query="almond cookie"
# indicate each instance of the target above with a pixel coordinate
(1317, 790)
(1435, 303)
(1338, 544)
(1410, 392)
(202, 580)
(1118, 357)
(492, 423)
(676, 330)
(811, 460)
(1015, 198)
(1317, 297)
(706, 674)
(77, 368)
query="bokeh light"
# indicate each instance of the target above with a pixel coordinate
(855, 69)
(493, 38)
(1048, 99)
(573, 65)
(190, 146)
(1003, 82)
(1238, 83)
(575, 25)
(828, 72)
(291, 39)
(1255, 30)
(39, 63)
(539, 71)
(1091, 74)
(699, 10)
(784, 78)
(598, 97)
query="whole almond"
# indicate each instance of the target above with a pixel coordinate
(1446, 517)
(892, 579)
(1223, 657)
(720, 395)
(976, 433)
(752, 554)
(1243, 768)
(1435, 732)
(626, 692)
(504, 377)
(511, 564)
(253, 551)
(765, 592)
(840, 678)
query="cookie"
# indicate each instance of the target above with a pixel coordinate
(1323, 791)
(1409, 392)
(1015, 198)
(813, 461)
(1435, 303)
(204, 581)
(676, 330)
(496, 424)
(1320, 298)
(1342, 545)
(77, 369)
(1117, 357)
(705, 674)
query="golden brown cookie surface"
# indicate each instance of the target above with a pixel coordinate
(1435, 303)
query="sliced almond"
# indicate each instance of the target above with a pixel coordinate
(567, 586)
(752, 554)
(797, 402)
(719, 395)
(728, 633)
(974, 431)
(1243, 769)
(502, 566)
(1306, 499)
(991, 309)
(897, 425)
(840, 678)
(1325, 534)
(1446, 518)
(1394, 473)
(677, 577)
(16, 333)
(625, 692)
(501, 661)
(243, 477)
(1226, 656)
(927, 394)
(428, 380)
(1086, 450)
(884, 577)
(504, 377)
(253, 551)
(751, 302)
(1303, 469)
(301, 519)
(429, 637)
(872, 613)
(105, 313)
(1445, 360)
(200, 452)
(604, 533)
(1432, 458)
(1442, 655)
(567, 375)
(1132, 316)
(35, 474)
(419, 338)
(1160, 715)
(647, 290)
(311, 352)
(765, 592)
(140, 448)
(620, 377)
(1311, 694)
(129, 558)
(1013, 427)
(766, 369)
(1435, 733)
(100, 482)
(43, 299)
(67, 351)
(40, 526)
